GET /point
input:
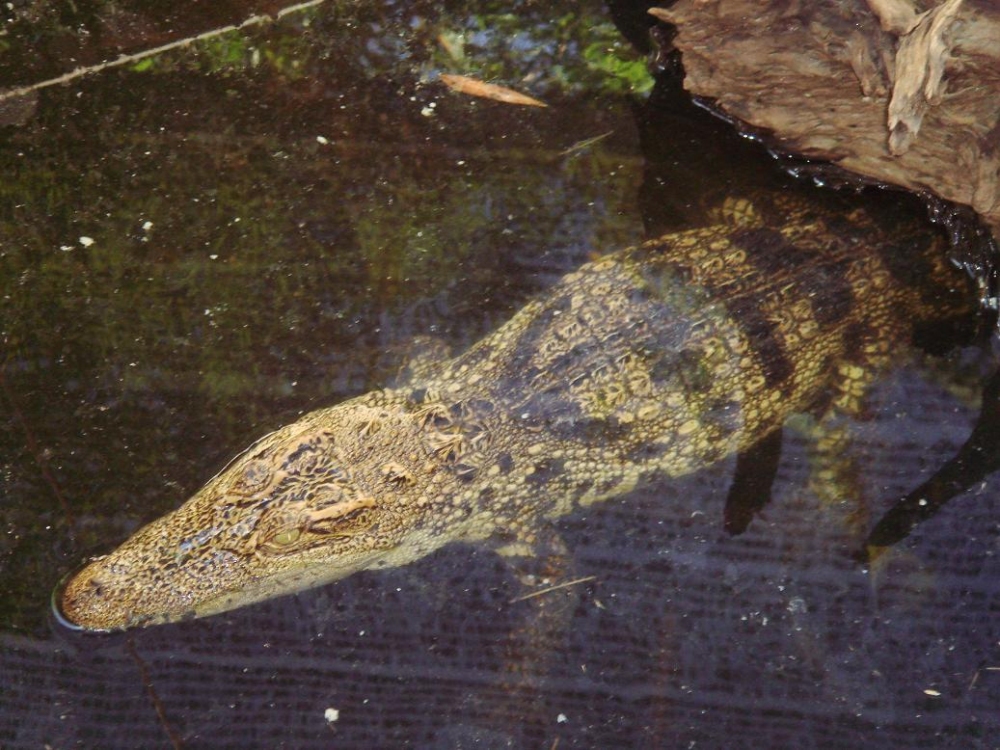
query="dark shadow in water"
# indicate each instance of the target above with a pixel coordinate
(978, 457)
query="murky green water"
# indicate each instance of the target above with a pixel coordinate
(197, 247)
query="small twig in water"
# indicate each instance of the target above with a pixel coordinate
(975, 676)
(147, 683)
(550, 589)
(255, 20)
(584, 144)
(33, 447)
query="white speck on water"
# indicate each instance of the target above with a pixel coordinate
(147, 225)
(797, 605)
(321, 140)
(86, 241)
(331, 715)
(561, 719)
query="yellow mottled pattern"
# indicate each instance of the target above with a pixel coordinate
(662, 358)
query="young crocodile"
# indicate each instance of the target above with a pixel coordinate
(661, 358)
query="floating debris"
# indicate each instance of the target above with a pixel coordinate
(472, 87)
(550, 589)
(584, 144)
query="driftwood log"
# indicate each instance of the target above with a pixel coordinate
(900, 95)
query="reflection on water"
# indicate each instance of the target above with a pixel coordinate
(271, 238)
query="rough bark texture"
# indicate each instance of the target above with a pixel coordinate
(904, 96)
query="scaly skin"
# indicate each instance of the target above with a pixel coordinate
(662, 358)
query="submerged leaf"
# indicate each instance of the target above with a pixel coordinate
(472, 87)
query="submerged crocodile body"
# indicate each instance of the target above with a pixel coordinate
(658, 359)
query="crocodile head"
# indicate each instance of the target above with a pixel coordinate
(305, 505)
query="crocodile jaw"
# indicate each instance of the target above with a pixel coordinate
(107, 595)
(298, 509)
(103, 596)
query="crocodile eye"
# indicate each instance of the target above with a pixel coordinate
(282, 541)
(286, 537)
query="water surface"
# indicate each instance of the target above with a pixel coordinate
(198, 247)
